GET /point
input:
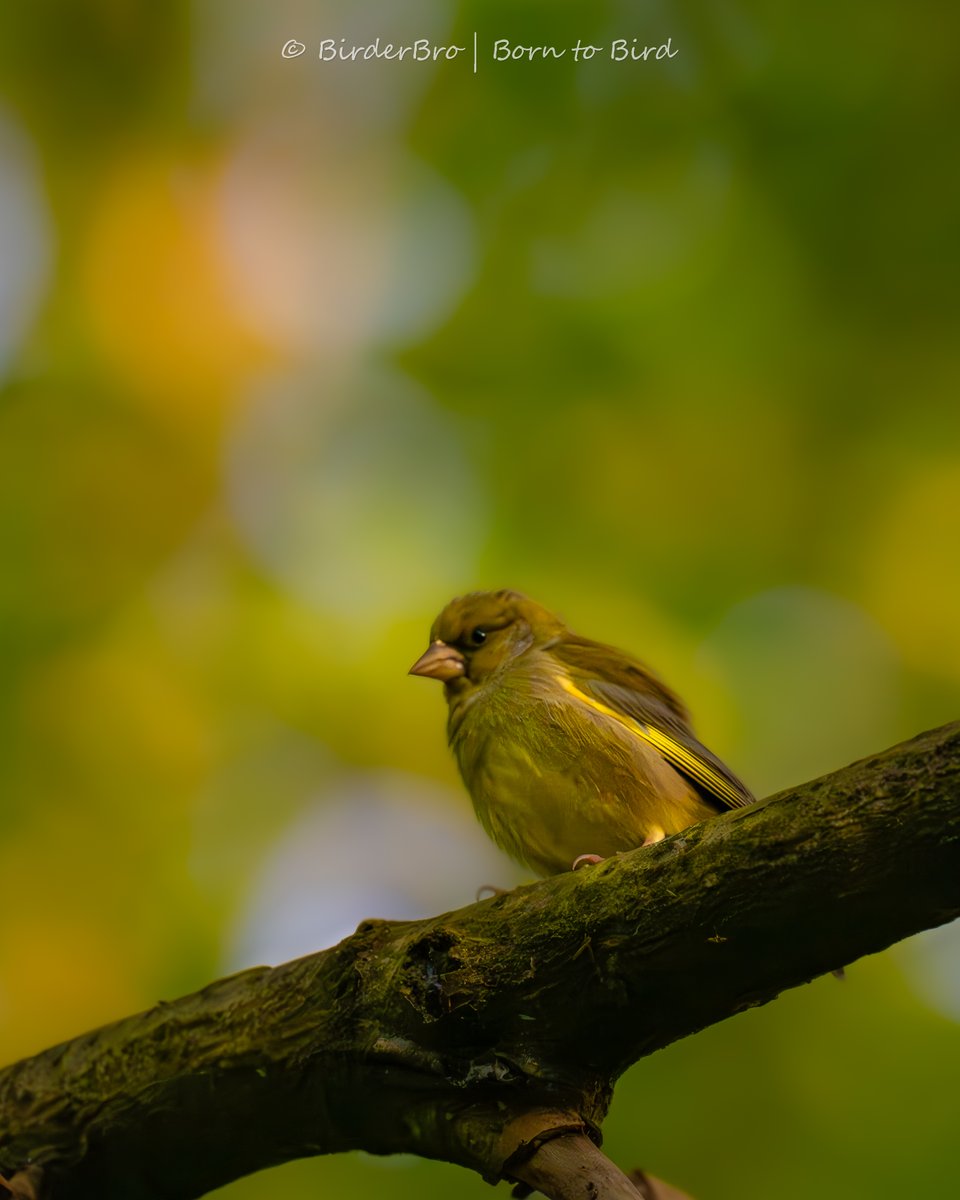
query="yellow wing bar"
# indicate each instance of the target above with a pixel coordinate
(672, 750)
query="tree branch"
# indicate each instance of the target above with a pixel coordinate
(474, 1035)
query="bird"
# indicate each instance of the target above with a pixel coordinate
(572, 751)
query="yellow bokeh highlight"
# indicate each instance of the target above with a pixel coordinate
(123, 703)
(157, 284)
(913, 572)
(61, 974)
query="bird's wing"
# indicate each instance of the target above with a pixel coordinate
(611, 681)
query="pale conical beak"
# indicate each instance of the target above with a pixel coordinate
(440, 662)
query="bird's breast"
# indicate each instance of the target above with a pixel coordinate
(553, 776)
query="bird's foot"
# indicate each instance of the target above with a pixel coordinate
(586, 860)
(490, 889)
(591, 860)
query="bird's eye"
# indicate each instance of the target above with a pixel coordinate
(478, 637)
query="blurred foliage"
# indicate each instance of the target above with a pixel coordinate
(291, 352)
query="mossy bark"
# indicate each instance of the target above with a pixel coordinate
(468, 1036)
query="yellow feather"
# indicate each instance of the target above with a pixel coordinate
(674, 752)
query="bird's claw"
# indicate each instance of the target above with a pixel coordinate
(586, 860)
(492, 889)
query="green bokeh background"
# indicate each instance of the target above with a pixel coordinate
(291, 352)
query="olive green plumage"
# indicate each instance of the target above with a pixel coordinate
(568, 747)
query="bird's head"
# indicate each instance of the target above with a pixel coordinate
(478, 634)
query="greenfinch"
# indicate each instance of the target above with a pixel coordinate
(571, 751)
